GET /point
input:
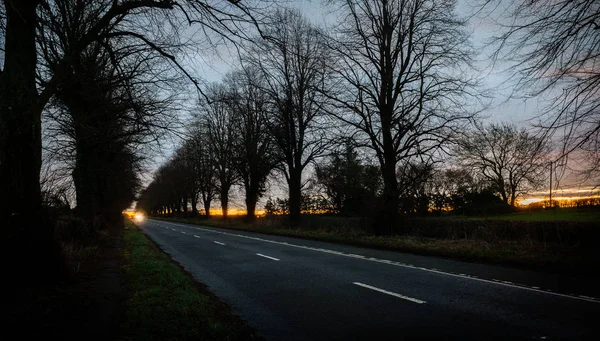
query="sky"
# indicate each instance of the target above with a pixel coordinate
(212, 65)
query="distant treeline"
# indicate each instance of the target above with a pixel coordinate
(341, 184)
(583, 202)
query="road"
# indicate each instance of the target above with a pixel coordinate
(294, 289)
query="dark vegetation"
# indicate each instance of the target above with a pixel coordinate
(120, 286)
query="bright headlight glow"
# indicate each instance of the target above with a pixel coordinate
(139, 217)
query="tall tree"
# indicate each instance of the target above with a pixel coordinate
(20, 123)
(217, 119)
(293, 63)
(203, 167)
(254, 151)
(401, 82)
(513, 161)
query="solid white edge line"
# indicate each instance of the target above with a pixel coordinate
(384, 261)
(389, 293)
(273, 258)
(216, 242)
(197, 236)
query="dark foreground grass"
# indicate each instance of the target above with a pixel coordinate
(529, 253)
(165, 303)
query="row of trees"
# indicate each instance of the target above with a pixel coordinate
(230, 143)
(392, 74)
(392, 78)
(266, 116)
(491, 168)
(97, 79)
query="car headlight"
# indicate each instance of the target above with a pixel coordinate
(139, 217)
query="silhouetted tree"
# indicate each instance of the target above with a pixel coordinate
(513, 161)
(413, 180)
(254, 155)
(293, 63)
(217, 118)
(449, 189)
(401, 82)
(204, 167)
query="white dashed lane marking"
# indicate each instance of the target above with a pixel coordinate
(269, 257)
(389, 293)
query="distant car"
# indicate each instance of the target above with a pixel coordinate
(138, 217)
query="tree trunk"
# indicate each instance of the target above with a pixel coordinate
(207, 208)
(194, 204)
(224, 200)
(184, 206)
(387, 220)
(251, 199)
(85, 182)
(24, 227)
(20, 119)
(513, 199)
(295, 189)
(504, 196)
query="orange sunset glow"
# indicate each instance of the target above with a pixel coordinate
(561, 195)
(233, 212)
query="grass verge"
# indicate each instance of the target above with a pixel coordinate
(165, 303)
(525, 254)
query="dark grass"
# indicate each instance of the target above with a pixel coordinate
(165, 303)
(78, 298)
(488, 242)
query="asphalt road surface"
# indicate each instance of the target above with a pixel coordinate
(294, 289)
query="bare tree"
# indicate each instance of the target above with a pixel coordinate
(254, 148)
(556, 48)
(203, 167)
(218, 122)
(513, 161)
(108, 106)
(189, 152)
(293, 62)
(402, 78)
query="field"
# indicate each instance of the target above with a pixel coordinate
(559, 214)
